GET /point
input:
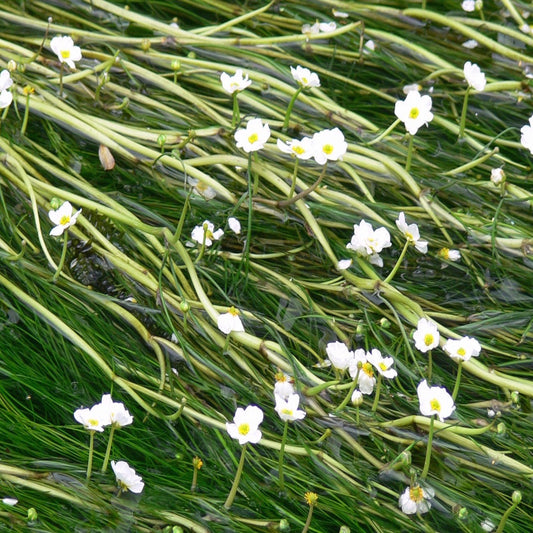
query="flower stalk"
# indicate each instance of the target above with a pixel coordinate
(428, 449)
(232, 493)
(289, 108)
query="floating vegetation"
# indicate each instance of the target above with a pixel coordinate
(289, 247)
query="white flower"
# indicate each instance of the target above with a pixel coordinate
(230, 321)
(10, 501)
(237, 82)
(426, 336)
(366, 241)
(414, 111)
(303, 149)
(284, 385)
(487, 525)
(411, 233)
(382, 364)
(527, 135)
(329, 145)
(127, 479)
(369, 46)
(304, 77)
(449, 255)
(343, 264)
(470, 44)
(234, 225)
(65, 50)
(415, 499)
(339, 14)
(363, 369)
(200, 188)
(287, 408)
(339, 355)
(462, 349)
(497, 176)
(5, 80)
(469, 5)
(406, 89)
(118, 414)
(319, 27)
(62, 218)
(206, 231)
(253, 137)
(474, 77)
(435, 401)
(93, 419)
(5, 98)
(245, 427)
(357, 397)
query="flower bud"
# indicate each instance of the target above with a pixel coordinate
(11, 65)
(515, 396)
(175, 65)
(284, 526)
(345, 529)
(161, 140)
(384, 323)
(184, 306)
(56, 203)
(463, 513)
(146, 45)
(501, 429)
(516, 497)
(32, 514)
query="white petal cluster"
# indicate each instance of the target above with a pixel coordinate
(245, 426)
(527, 135)
(363, 370)
(426, 336)
(329, 145)
(411, 233)
(103, 414)
(382, 364)
(63, 218)
(415, 499)
(237, 82)
(65, 50)
(284, 385)
(127, 478)
(449, 255)
(462, 349)
(234, 225)
(287, 408)
(369, 242)
(230, 321)
(206, 232)
(254, 136)
(319, 27)
(5, 83)
(338, 355)
(474, 77)
(304, 77)
(201, 189)
(118, 414)
(497, 176)
(414, 111)
(302, 149)
(435, 401)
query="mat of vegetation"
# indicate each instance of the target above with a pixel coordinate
(248, 227)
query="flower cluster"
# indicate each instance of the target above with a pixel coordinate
(369, 242)
(323, 146)
(411, 233)
(65, 50)
(319, 27)
(236, 83)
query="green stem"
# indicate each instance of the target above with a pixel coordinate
(430, 365)
(505, 516)
(308, 521)
(383, 134)
(108, 450)
(428, 450)
(457, 380)
(281, 454)
(61, 68)
(246, 251)
(294, 176)
(202, 248)
(194, 479)
(236, 112)
(303, 194)
(376, 397)
(235, 486)
(398, 263)
(409, 153)
(26, 115)
(463, 114)
(289, 109)
(90, 461)
(350, 392)
(63, 256)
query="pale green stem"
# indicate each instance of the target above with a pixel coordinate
(428, 450)
(409, 153)
(90, 461)
(236, 112)
(350, 392)
(26, 115)
(308, 521)
(226, 343)
(463, 114)
(281, 454)
(457, 380)
(306, 192)
(376, 397)
(194, 479)
(430, 365)
(366, 268)
(202, 248)
(383, 134)
(61, 68)
(505, 516)
(294, 176)
(235, 486)
(62, 258)
(108, 450)
(246, 251)
(289, 109)
(254, 174)
(389, 278)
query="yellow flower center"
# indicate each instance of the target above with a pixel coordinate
(298, 150)
(305, 81)
(65, 54)
(435, 405)
(244, 429)
(428, 339)
(461, 351)
(253, 138)
(65, 219)
(409, 236)
(367, 369)
(93, 422)
(287, 412)
(327, 149)
(416, 494)
(445, 252)
(233, 311)
(311, 498)
(383, 366)
(414, 112)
